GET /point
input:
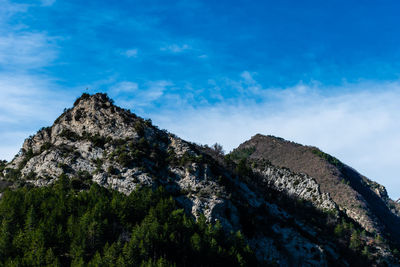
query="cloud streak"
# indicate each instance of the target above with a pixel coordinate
(30, 98)
(48, 2)
(8, 9)
(29, 103)
(25, 51)
(123, 87)
(175, 48)
(139, 96)
(131, 53)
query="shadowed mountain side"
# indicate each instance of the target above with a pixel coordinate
(361, 199)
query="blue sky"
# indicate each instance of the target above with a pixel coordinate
(323, 73)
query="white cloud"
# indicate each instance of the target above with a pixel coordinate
(132, 53)
(11, 142)
(249, 83)
(48, 2)
(132, 95)
(21, 49)
(175, 48)
(29, 100)
(248, 77)
(8, 9)
(25, 50)
(247, 86)
(156, 89)
(123, 87)
(28, 103)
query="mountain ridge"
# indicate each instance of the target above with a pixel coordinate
(251, 190)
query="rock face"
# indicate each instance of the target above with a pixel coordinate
(297, 184)
(287, 214)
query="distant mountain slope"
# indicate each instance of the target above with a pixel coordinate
(288, 216)
(360, 198)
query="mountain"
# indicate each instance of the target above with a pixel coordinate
(292, 205)
(363, 200)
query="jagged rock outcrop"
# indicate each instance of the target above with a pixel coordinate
(96, 141)
(297, 184)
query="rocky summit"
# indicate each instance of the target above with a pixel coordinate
(292, 205)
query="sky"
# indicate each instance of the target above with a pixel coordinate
(321, 73)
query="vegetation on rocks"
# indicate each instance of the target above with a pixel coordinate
(2, 166)
(332, 160)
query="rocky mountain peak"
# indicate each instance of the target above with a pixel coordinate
(92, 125)
(95, 99)
(96, 114)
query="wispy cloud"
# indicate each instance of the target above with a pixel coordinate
(175, 48)
(123, 87)
(8, 9)
(156, 89)
(29, 103)
(25, 50)
(11, 142)
(48, 2)
(131, 53)
(21, 48)
(29, 100)
(249, 83)
(132, 95)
